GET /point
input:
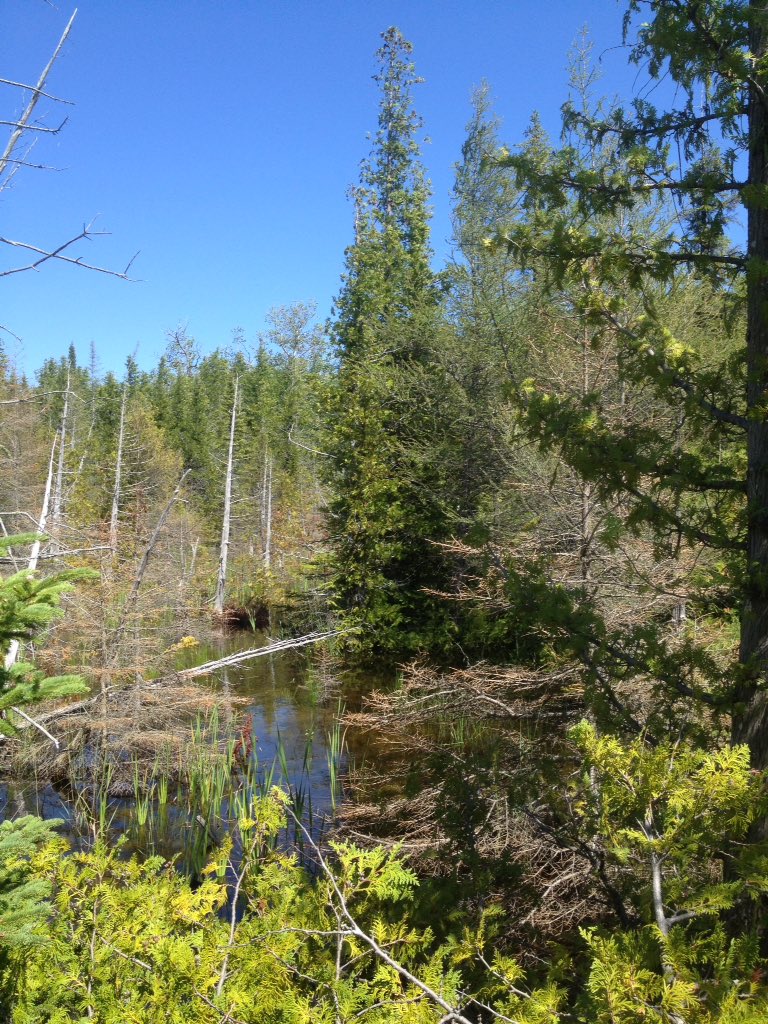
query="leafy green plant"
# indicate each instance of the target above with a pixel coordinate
(23, 899)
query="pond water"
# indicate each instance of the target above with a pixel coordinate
(281, 710)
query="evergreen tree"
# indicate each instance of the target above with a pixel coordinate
(388, 277)
(27, 603)
(24, 909)
(386, 505)
(694, 473)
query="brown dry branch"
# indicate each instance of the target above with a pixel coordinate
(140, 724)
(482, 692)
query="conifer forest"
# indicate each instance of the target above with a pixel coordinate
(412, 666)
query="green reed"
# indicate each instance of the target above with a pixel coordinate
(336, 739)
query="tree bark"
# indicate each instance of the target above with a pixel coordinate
(750, 721)
(267, 507)
(58, 492)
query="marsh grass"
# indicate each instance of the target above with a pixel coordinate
(194, 801)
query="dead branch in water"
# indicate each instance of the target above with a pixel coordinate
(257, 652)
(80, 706)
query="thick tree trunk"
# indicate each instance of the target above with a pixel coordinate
(750, 723)
(221, 581)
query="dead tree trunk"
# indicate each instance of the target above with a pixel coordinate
(34, 554)
(267, 507)
(59, 490)
(137, 581)
(221, 581)
(118, 476)
(22, 125)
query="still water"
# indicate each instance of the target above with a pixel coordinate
(285, 707)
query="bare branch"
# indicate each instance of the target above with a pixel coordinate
(63, 553)
(9, 331)
(34, 128)
(23, 123)
(32, 88)
(38, 726)
(314, 451)
(381, 954)
(273, 648)
(56, 254)
(34, 167)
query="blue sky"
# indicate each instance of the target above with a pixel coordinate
(219, 139)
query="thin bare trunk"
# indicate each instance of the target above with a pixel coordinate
(221, 582)
(13, 650)
(193, 560)
(22, 124)
(118, 476)
(58, 492)
(268, 513)
(259, 652)
(131, 600)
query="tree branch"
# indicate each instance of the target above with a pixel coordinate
(56, 254)
(22, 124)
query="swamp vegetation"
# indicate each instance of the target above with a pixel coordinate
(508, 760)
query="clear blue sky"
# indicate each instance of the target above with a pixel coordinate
(219, 139)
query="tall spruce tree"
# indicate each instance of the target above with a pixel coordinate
(386, 505)
(388, 279)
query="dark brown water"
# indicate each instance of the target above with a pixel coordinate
(288, 703)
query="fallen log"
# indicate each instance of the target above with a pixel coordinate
(256, 652)
(189, 673)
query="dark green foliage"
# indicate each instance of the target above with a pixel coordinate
(26, 604)
(598, 236)
(387, 504)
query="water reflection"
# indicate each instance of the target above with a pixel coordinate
(285, 704)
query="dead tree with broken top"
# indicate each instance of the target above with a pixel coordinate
(226, 522)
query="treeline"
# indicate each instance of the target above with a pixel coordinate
(113, 452)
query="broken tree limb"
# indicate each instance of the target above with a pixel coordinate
(37, 725)
(155, 534)
(77, 707)
(131, 600)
